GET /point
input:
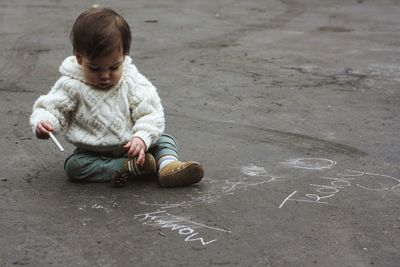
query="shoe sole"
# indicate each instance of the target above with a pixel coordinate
(193, 173)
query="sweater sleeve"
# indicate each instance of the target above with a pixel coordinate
(55, 106)
(147, 110)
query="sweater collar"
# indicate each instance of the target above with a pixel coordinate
(70, 67)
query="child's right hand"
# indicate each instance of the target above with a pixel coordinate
(43, 128)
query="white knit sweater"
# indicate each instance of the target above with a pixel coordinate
(101, 120)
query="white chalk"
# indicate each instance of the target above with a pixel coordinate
(55, 141)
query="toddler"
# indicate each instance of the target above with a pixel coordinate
(109, 111)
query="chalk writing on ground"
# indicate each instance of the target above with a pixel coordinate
(185, 227)
(253, 170)
(310, 163)
(253, 177)
(328, 187)
(106, 206)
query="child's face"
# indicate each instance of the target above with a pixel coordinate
(103, 72)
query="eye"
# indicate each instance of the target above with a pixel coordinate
(93, 68)
(115, 67)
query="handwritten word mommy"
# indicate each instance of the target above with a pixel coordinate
(182, 226)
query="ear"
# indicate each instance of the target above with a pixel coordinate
(78, 58)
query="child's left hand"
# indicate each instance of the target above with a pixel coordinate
(136, 148)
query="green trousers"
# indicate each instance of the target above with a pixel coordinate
(90, 166)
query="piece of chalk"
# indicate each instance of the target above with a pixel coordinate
(55, 141)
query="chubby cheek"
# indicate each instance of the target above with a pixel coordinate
(91, 78)
(116, 76)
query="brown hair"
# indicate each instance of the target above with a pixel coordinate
(99, 31)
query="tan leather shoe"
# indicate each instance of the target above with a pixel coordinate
(149, 167)
(180, 174)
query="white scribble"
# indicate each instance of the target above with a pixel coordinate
(333, 185)
(253, 170)
(377, 175)
(310, 198)
(107, 207)
(310, 163)
(82, 208)
(287, 198)
(100, 207)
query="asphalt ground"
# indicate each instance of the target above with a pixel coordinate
(291, 106)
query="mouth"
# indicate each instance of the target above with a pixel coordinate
(104, 85)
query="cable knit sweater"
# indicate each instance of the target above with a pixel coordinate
(101, 120)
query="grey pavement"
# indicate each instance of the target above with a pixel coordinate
(292, 106)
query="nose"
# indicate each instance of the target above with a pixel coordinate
(104, 75)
